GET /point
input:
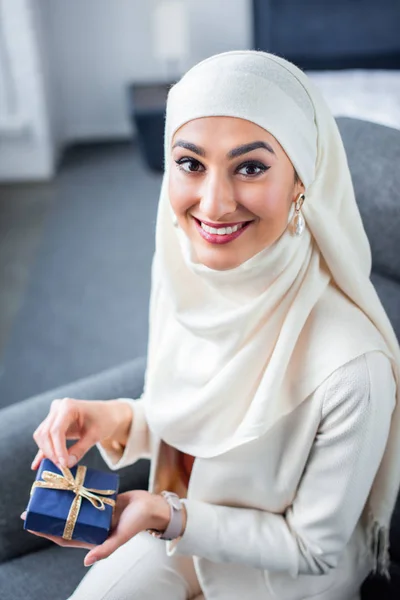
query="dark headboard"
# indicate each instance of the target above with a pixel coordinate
(325, 34)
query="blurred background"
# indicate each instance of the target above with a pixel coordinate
(82, 98)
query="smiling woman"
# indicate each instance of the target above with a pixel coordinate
(231, 189)
(270, 410)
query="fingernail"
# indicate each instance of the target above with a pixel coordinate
(72, 460)
(62, 461)
(90, 561)
(23, 515)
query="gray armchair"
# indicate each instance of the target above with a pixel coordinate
(31, 567)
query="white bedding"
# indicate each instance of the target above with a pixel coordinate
(373, 95)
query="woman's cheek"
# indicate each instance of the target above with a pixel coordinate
(182, 194)
(176, 197)
(262, 201)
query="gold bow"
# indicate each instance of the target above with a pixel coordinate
(66, 481)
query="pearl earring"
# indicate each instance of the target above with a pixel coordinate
(298, 223)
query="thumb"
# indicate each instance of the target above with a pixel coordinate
(79, 449)
(104, 550)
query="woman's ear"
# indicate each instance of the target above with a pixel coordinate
(298, 186)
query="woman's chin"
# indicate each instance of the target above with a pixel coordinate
(223, 262)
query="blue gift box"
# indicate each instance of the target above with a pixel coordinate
(48, 509)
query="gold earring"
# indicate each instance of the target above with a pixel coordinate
(298, 223)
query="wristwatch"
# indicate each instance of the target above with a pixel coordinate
(175, 525)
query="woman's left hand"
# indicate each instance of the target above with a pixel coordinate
(135, 511)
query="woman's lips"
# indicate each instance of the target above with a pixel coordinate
(215, 238)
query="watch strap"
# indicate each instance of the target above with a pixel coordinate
(175, 525)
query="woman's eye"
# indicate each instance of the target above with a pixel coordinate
(189, 165)
(252, 169)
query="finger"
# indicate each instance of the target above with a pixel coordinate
(65, 416)
(104, 550)
(83, 445)
(112, 543)
(61, 542)
(37, 460)
(57, 540)
(43, 439)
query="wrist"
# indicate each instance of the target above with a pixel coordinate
(160, 514)
(120, 417)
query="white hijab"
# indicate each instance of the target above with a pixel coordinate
(231, 352)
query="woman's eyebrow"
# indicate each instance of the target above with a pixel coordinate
(189, 146)
(244, 149)
(248, 148)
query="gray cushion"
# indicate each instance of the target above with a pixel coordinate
(388, 291)
(52, 573)
(373, 153)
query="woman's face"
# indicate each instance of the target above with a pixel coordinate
(228, 173)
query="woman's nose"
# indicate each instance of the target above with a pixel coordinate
(218, 198)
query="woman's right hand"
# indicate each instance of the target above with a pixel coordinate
(87, 421)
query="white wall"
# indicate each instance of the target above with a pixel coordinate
(26, 150)
(98, 46)
(219, 26)
(50, 72)
(75, 58)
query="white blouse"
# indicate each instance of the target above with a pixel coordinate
(289, 505)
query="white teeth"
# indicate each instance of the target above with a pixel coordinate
(221, 230)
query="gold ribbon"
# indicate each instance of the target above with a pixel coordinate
(66, 481)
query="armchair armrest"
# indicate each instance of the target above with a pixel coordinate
(17, 449)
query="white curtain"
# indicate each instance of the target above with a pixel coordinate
(8, 98)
